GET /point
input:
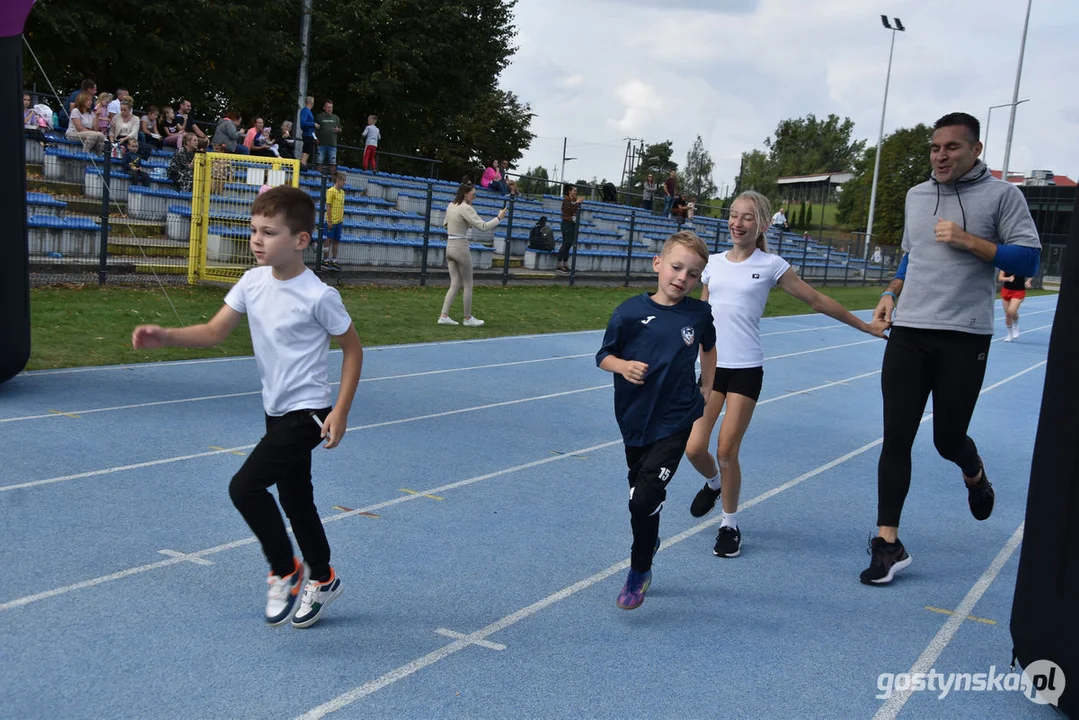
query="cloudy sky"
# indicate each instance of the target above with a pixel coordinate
(599, 71)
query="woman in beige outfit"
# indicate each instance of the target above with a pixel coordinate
(460, 215)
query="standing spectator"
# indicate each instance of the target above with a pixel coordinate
(286, 144)
(680, 209)
(371, 136)
(186, 118)
(227, 133)
(103, 120)
(182, 166)
(670, 190)
(81, 125)
(172, 128)
(88, 86)
(327, 128)
(460, 215)
(648, 193)
(125, 126)
(307, 131)
(151, 128)
(570, 205)
(130, 162)
(335, 220)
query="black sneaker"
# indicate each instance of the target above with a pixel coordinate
(886, 559)
(728, 542)
(980, 497)
(704, 501)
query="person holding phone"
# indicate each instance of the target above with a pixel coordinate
(460, 216)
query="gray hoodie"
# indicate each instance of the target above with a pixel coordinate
(950, 289)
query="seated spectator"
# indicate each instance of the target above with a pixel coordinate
(286, 144)
(81, 126)
(257, 140)
(253, 132)
(103, 121)
(114, 106)
(186, 118)
(227, 134)
(34, 124)
(130, 162)
(492, 179)
(125, 126)
(151, 128)
(65, 110)
(679, 208)
(513, 187)
(182, 165)
(172, 130)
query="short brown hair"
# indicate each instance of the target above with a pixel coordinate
(686, 239)
(294, 206)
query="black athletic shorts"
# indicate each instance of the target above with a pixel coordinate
(741, 381)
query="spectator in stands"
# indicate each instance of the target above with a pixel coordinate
(182, 166)
(504, 171)
(670, 191)
(327, 128)
(151, 128)
(125, 126)
(492, 179)
(286, 144)
(570, 205)
(186, 118)
(103, 121)
(130, 162)
(648, 193)
(88, 86)
(335, 220)
(172, 128)
(779, 221)
(460, 216)
(81, 126)
(264, 143)
(114, 105)
(227, 134)
(691, 207)
(30, 117)
(307, 131)
(371, 136)
(512, 185)
(679, 209)
(610, 192)
(254, 141)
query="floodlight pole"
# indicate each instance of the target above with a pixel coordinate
(1015, 98)
(880, 138)
(988, 119)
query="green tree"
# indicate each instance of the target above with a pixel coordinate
(535, 182)
(808, 224)
(758, 173)
(427, 68)
(656, 159)
(697, 173)
(904, 162)
(805, 146)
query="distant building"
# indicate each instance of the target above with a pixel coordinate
(822, 187)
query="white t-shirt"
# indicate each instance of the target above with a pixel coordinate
(291, 323)
(737, 293)
(371, 135)
(779, 218)
(113, 107)
(87, 119)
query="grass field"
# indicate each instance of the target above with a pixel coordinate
(92, 326)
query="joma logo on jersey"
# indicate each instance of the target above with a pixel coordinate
(687, 335)
(756, 276)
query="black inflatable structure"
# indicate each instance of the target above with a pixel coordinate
(14, 252)
(1045, 623)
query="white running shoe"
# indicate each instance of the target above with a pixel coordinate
(1008, 333)
(472, 322)
(316, 598)
(447, 321)
(283, 595)
(1015, 331)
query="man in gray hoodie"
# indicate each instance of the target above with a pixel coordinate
(958, 225)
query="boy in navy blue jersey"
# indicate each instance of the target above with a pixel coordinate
(651, 346)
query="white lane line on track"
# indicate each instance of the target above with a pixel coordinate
(482, 634)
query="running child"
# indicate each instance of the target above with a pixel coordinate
(736, 285)
(292, 315)
(651, 346)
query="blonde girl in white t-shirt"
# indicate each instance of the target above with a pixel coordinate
(736, 283)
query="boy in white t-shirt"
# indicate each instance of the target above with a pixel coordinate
(371, 136)
(736, 284)
(292, 315)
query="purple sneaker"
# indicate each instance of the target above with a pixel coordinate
(633, 591)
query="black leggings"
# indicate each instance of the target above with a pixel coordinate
(951, 365)
(283, 457)
(569, 239)
(651, 468)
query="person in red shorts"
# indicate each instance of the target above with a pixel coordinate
(1012, 294)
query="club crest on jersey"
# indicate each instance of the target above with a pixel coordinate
(687, 335)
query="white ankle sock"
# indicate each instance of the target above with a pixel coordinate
(729, 520)
(713, 482)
